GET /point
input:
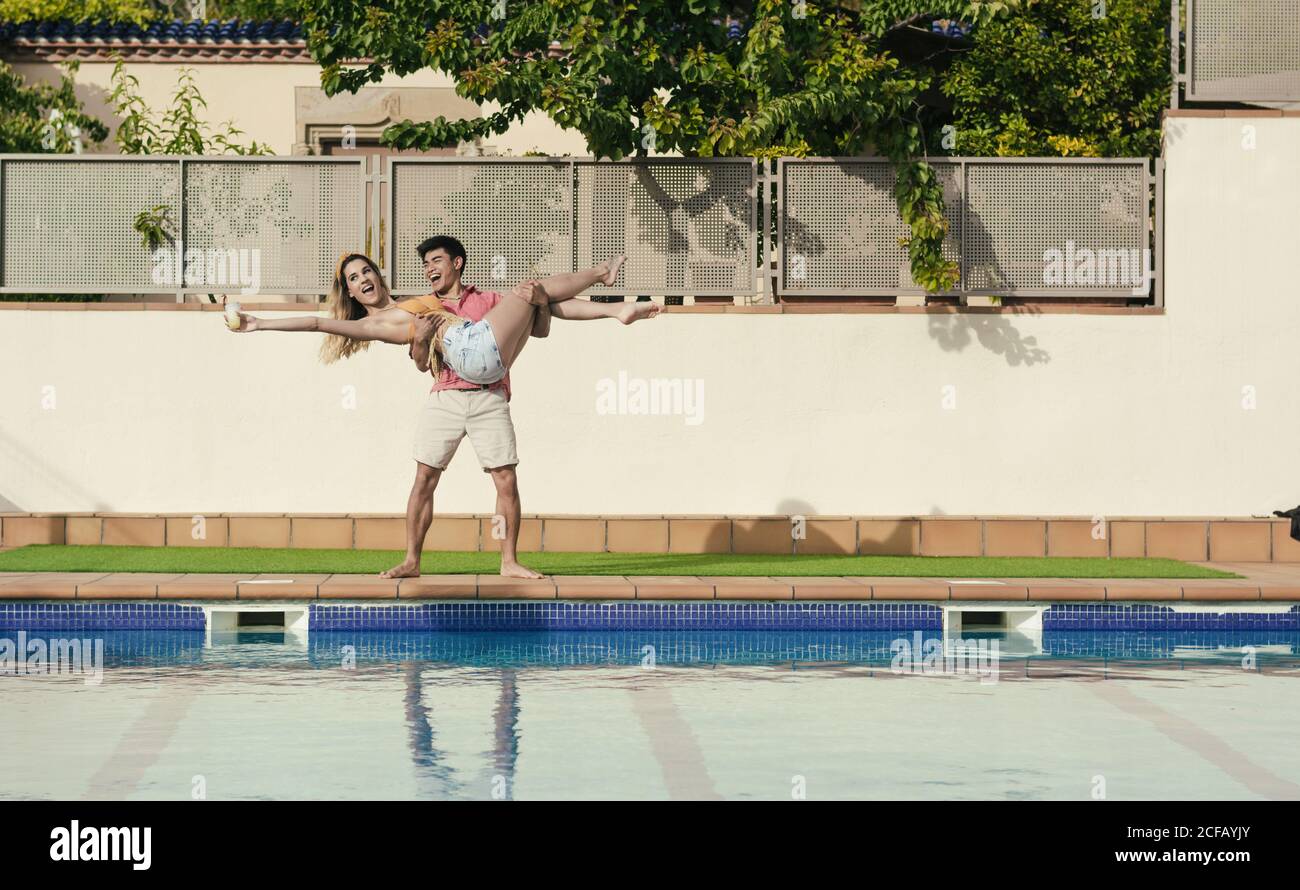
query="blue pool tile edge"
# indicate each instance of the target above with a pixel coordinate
(473, 615)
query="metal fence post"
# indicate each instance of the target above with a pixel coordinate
(963, 216)
(180, 243)
(1159, 235)
(1173, 53)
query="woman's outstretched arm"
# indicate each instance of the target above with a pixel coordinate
(389, 327)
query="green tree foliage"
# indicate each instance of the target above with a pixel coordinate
(44, 117)
(256, 10)
(178, 130)
(803, 79)
(1064, 77)
(138, 11)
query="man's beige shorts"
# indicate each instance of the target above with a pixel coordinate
(449, 415)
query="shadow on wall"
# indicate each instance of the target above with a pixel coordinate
(18, 460)
(814, 541)
(954, 332)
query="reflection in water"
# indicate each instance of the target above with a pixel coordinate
(705, 715)
(515, 650)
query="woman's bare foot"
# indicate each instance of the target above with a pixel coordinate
(610, 268)
(409, 568)
(631, 312)
(515, 570)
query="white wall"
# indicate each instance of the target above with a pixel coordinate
(833, 414)
(259, 98)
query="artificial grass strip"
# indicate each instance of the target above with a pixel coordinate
(249, 560)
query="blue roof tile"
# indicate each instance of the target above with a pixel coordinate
(234, 31)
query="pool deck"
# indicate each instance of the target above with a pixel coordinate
(1261, 583)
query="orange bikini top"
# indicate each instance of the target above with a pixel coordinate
(419, 307)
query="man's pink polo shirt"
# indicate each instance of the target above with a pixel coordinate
(473, 305)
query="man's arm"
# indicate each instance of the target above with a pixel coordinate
(542, 322)
(422, 341)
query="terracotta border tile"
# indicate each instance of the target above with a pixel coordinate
(593, 587)
(1011, 593)
(1066, 593)
(1074, 538)
(696, 535)
(1131, 591)
(180, 530)
(1240, 541)
(459, 533)
(259, 531)
(357, 587)
(637, 535)
(573, 535)
(19, 531)
(321, 533)
(300, 587)
(530, 535)
(1279, 592)
(950, 537)
(1222, 592)
(1015, 537)
(1178, 539)
(923, 589)
(749, 588)
(202, 586)
(889, 537)
(1285, 547)
(121, 531)
(84, 530)
(671, 587)
(124, 586)
(829, 536)
(495, 587)
(49, 585)
(438, 587)
(830, 589)
(1128, 539)
(762, 535)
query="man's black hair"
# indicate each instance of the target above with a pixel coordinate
(453, 247)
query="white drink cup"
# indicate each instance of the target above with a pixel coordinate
(232, 316)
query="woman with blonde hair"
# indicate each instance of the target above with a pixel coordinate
(362, 310)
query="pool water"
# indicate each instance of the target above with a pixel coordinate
(734, 715)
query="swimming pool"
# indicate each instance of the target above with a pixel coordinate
(525, 714)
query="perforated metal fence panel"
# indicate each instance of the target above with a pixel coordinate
(1243, 50)
(287, 221)
(1055, 228)
(513, 216)
(231, 225)
(687, 226)
(67, 223)
(840, 230)
(1017, 227)
(1029, 227)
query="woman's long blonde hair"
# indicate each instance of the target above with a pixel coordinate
(342, 305)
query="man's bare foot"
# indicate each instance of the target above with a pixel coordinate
(630, 312)
(408, 569)
(515, 570)
(609, 269)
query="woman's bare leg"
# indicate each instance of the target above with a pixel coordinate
(585, 310)
(512, 322)
(512, 319)
(568, 285)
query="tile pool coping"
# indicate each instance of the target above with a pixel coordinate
(140, 587)
(640, 616)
